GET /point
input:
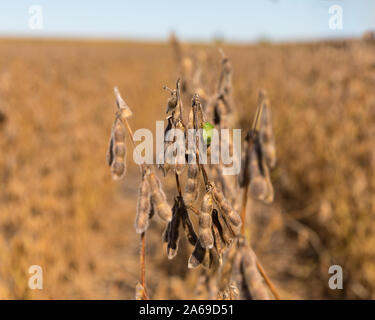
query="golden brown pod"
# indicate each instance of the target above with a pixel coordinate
(270, 192)
(252, 277)
(205, 222)
(266, 135)
(258, 184)
(117, 150)
(143, 206)
(158, 198)
(124, 111)
(191, 185)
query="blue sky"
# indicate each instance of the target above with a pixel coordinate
(192, 20)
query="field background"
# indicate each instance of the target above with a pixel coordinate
(60, 209)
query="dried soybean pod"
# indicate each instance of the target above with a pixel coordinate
(226, 208)
(166, 165)
(197, 257)
(191, 119)
(191, 185)
(225, 232)
(139, 292)
(226, 271)
(258, 184)
(238, 275)
(216, 231)
(205, 222)
(173, 232)
(266, 135)
(166, 232)
(123, 108)
(243, 176)
(215, 259)
(270, 192)
(172, 101)
(187, 225)
(159, 199)
(117, 150)
(253, 278)
(233, 291)
(143, 206)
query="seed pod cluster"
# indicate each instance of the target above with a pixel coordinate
(117, 150)
(144, 208)
(159, 200)
(215, 235)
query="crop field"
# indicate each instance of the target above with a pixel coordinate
(61, 209)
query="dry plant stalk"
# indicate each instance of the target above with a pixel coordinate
(230, 267)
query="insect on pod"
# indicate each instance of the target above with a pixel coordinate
(191, 185)
(158, 198)
(205, 222)
(117, 150)
(143, 206)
